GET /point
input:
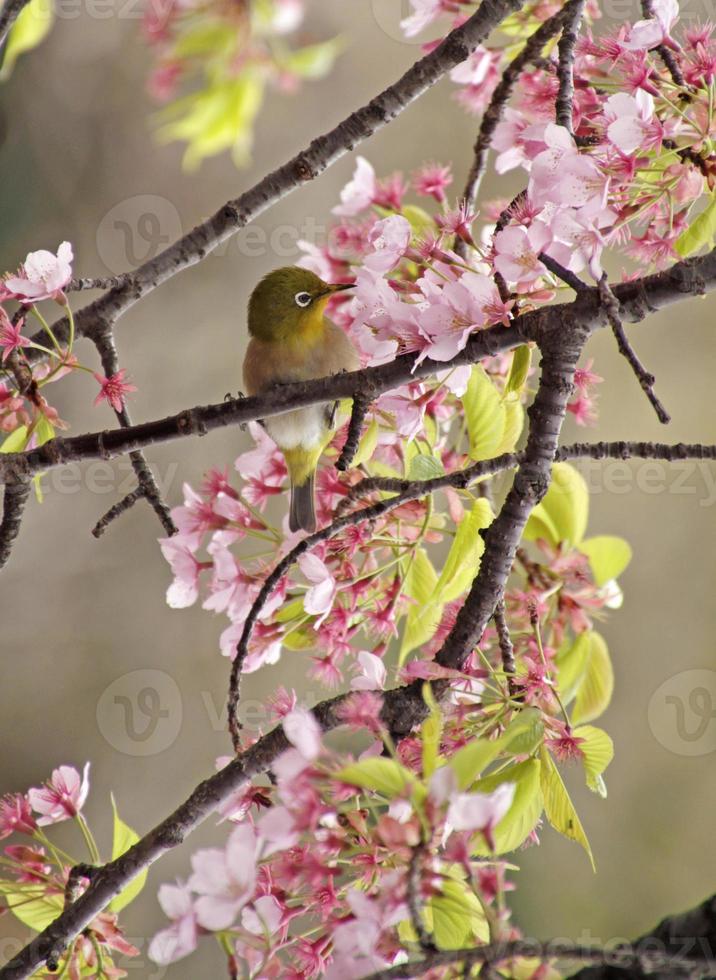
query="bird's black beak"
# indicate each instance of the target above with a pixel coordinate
(338, 288)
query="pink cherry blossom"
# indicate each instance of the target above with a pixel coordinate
(517, 250)
(113, 389)
(264, 916)
(480, 811)
(390, 239)
(276, 828)
(225, 880)
(16, 816)
(359, 192)
(372, 673)
(62, 797)
(425, 12)
(431, 181)
(632, 124)
(650, 33)
(303, 732)
(180, 938)
(11, 338)
(319, 598)
(179, 552)
(42, 276)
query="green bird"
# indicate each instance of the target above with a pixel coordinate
(291, 340)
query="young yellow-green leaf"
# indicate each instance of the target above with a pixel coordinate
(564, 511)
(302, 638)
(424, 613)
(469, 761)
(525, 732)
(521, 819)
(571, 665)
(457, 916)
(28, 902)
(594, 692)
(608, 556)
(32, 26)
(423, 467)
(291, 610)
(463, 560)
(559, 808)
(519, 369)
(420, 221)
(123, 837)
(514, 424)
(431, 733)
(315, 60)
(15, 442)
(380, 775)
(485, 415)
(699, 232)
(598, 750)
(367, 444)
(44, 431)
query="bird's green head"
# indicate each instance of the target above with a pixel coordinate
(289, 303)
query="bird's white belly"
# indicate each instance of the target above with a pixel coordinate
(303, 428)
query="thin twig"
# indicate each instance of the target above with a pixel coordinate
(500, 97)
(361, 403)
(413, 899)
(557, 269)
(666, 54)
(505, 643)
(611, 307)
(147, 487)
(565, 68)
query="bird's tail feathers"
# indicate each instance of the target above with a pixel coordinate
(302, 514)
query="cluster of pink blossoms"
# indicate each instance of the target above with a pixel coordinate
(24, 412)
(283, 897)
(34, 873)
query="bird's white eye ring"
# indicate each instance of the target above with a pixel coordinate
(302, 299)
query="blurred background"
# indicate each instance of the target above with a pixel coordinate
(85, 621)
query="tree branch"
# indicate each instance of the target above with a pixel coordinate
(637, 298)
(565, 69)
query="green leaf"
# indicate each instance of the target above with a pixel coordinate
(367, 444)
(525, 732)
(563, 513)
(28, 902)
(485, 415)
(699, 232)
(15, 442)
(423, 614)
(123, 837)
(594, 692)
(431, 733)
(469, 761)
(519, 369)
(384, 776)
(301, 638)
(457, 917)
(598, 750)
(514, 424)
(571, 665)
(521, 819)
(463, 560)
(291, 610)
(31, 27)
(559, 808)
(315, 60)
(420, 221)
(425, 467)
(608, 556)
